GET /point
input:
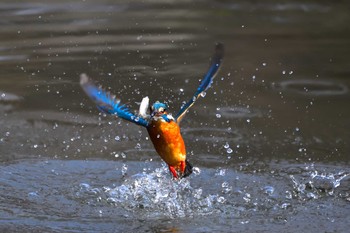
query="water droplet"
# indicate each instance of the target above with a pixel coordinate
(285, 205)
(138, 146)
(229, 150)
(196, 170)
(33, 194)
(269, 190)
(289, 194)
(117, 138)
(302, 149)
(197, 193)
(124, 169)
(84, 186)
(311, 195)
(226, 188)
(221, 199)
(245, 222)
(247, 197)
(220, 172)
(224, 184)
(226, 145)
(218, 115)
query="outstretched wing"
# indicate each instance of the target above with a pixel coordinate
(108, 103)
(205, 83)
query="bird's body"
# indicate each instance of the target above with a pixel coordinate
(168, 142)
(163, 128)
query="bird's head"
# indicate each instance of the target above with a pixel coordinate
(158, 109)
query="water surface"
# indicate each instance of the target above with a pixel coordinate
(269, 140)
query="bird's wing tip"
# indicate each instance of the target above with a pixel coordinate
(83, 79)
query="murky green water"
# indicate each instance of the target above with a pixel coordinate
(270, 140)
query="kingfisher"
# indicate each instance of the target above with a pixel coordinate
(163, 128)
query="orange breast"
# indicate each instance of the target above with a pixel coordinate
(167, 141)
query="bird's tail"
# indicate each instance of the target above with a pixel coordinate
(188, 169)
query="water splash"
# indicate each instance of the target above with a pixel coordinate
(218, 192)
(97, 190)
(152, 196)
(315, 184)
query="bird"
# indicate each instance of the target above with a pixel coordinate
(163, 128)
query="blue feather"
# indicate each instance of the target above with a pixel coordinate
(206, 82)
(107, 103)
(165, 117)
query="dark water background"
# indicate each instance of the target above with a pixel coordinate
(270, 140)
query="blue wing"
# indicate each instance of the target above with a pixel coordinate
(205, 83)
(107, 103)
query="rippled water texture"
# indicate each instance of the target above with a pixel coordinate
(269, 140)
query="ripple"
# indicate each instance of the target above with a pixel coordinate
(62, 117)
(312, 87)
(239, 112)
(280, 7)
(12, 57)
(5, 108)
(9, 97)
(35, 9)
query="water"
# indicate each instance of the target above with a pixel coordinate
(100, 196)
(269, 140)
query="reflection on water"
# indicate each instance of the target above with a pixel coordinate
(269, 140)
(312, 87)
